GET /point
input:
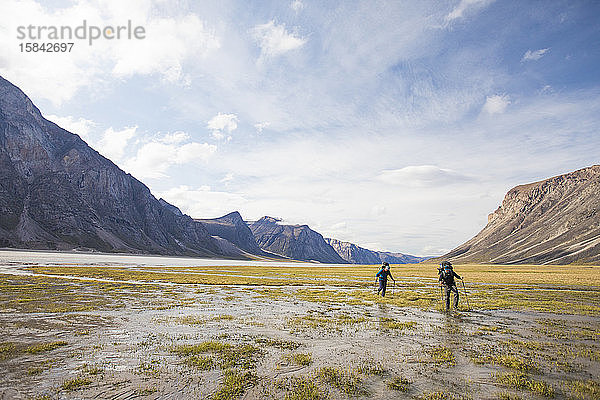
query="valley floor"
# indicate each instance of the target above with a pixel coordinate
(113, 327)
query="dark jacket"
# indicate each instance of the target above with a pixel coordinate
(383, 275)
(446, 276)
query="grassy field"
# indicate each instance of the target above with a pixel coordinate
(74, 331)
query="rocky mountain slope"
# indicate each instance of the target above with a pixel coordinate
(235, 230)
(555, 221)
(359, 255)
(58, 193)
(297, 242)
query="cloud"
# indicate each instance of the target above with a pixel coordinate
(154, 158)
(171, 41)
(465, 6)
(113, 143)
(496, 104)
(534, 55)
(275, 40)
(297, 5)
(222, 125)
(79, 126)
(261, 125)
(202, 202)
(421, 176)
(174, 137)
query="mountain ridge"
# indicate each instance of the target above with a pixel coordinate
(552, 221)
(56, 192)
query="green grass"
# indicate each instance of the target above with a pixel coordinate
(442, 355)
(583, 389)
(441, 396)
(399, 383)
(234, 384)
(7, 350)
(43, 347)
(520, 380)
(302, 388)
(391, 324)
(201, 362)
(346, 382)
(299, 358)
(226, 355)
(75, 383)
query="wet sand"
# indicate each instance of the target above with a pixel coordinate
(69, 337)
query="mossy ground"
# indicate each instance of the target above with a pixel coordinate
(299, 332)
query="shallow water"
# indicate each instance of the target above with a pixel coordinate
(121, 334)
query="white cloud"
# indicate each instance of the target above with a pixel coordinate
(113, 143)
(222, 125)
(174, 137)
(496, 104)
(261, 125)
(154, 158)
(297, 5)
(171, 40)
(275, 40)
(465, 6)
(202, 202)
(421, 176)
(534, 55)
(79, 126)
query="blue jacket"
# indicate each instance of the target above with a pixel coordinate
(383, 275)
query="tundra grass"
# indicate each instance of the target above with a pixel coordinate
(556, 289)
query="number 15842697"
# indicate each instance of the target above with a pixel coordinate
(46, 47)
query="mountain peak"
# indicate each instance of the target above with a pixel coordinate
(553, 221)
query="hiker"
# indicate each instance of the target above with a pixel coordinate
(446, 276)
(382, 275)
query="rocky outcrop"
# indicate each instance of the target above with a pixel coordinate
(555, 221)
(235, 230)
(297, 242)
(58, 193)
(358, 255)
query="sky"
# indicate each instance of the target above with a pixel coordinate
(395, 125)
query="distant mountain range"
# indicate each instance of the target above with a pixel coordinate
(358, 255)
(58, 193)
(554, 221)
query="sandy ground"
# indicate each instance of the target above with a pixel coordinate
(68, 338)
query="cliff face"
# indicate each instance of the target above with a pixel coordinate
(358, 255)
(58, 193)
(555, 221)
(233, 228)
(297, 242)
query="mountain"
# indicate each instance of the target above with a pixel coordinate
(58, 193)
(233, 228)
(555, 221)
(297, 242)
(358, 255)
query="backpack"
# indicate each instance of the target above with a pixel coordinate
(447, 276)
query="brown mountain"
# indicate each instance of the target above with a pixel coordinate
(56, 192)
(555, 221)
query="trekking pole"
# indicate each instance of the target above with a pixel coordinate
(466, 297)
(442, 294)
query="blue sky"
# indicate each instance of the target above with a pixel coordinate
(394, 125)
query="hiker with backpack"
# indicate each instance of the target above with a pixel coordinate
(446, 277)
(382, 275)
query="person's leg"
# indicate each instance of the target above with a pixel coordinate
(455, 290)
(384, 288)
(447, 291)
(381, 287)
